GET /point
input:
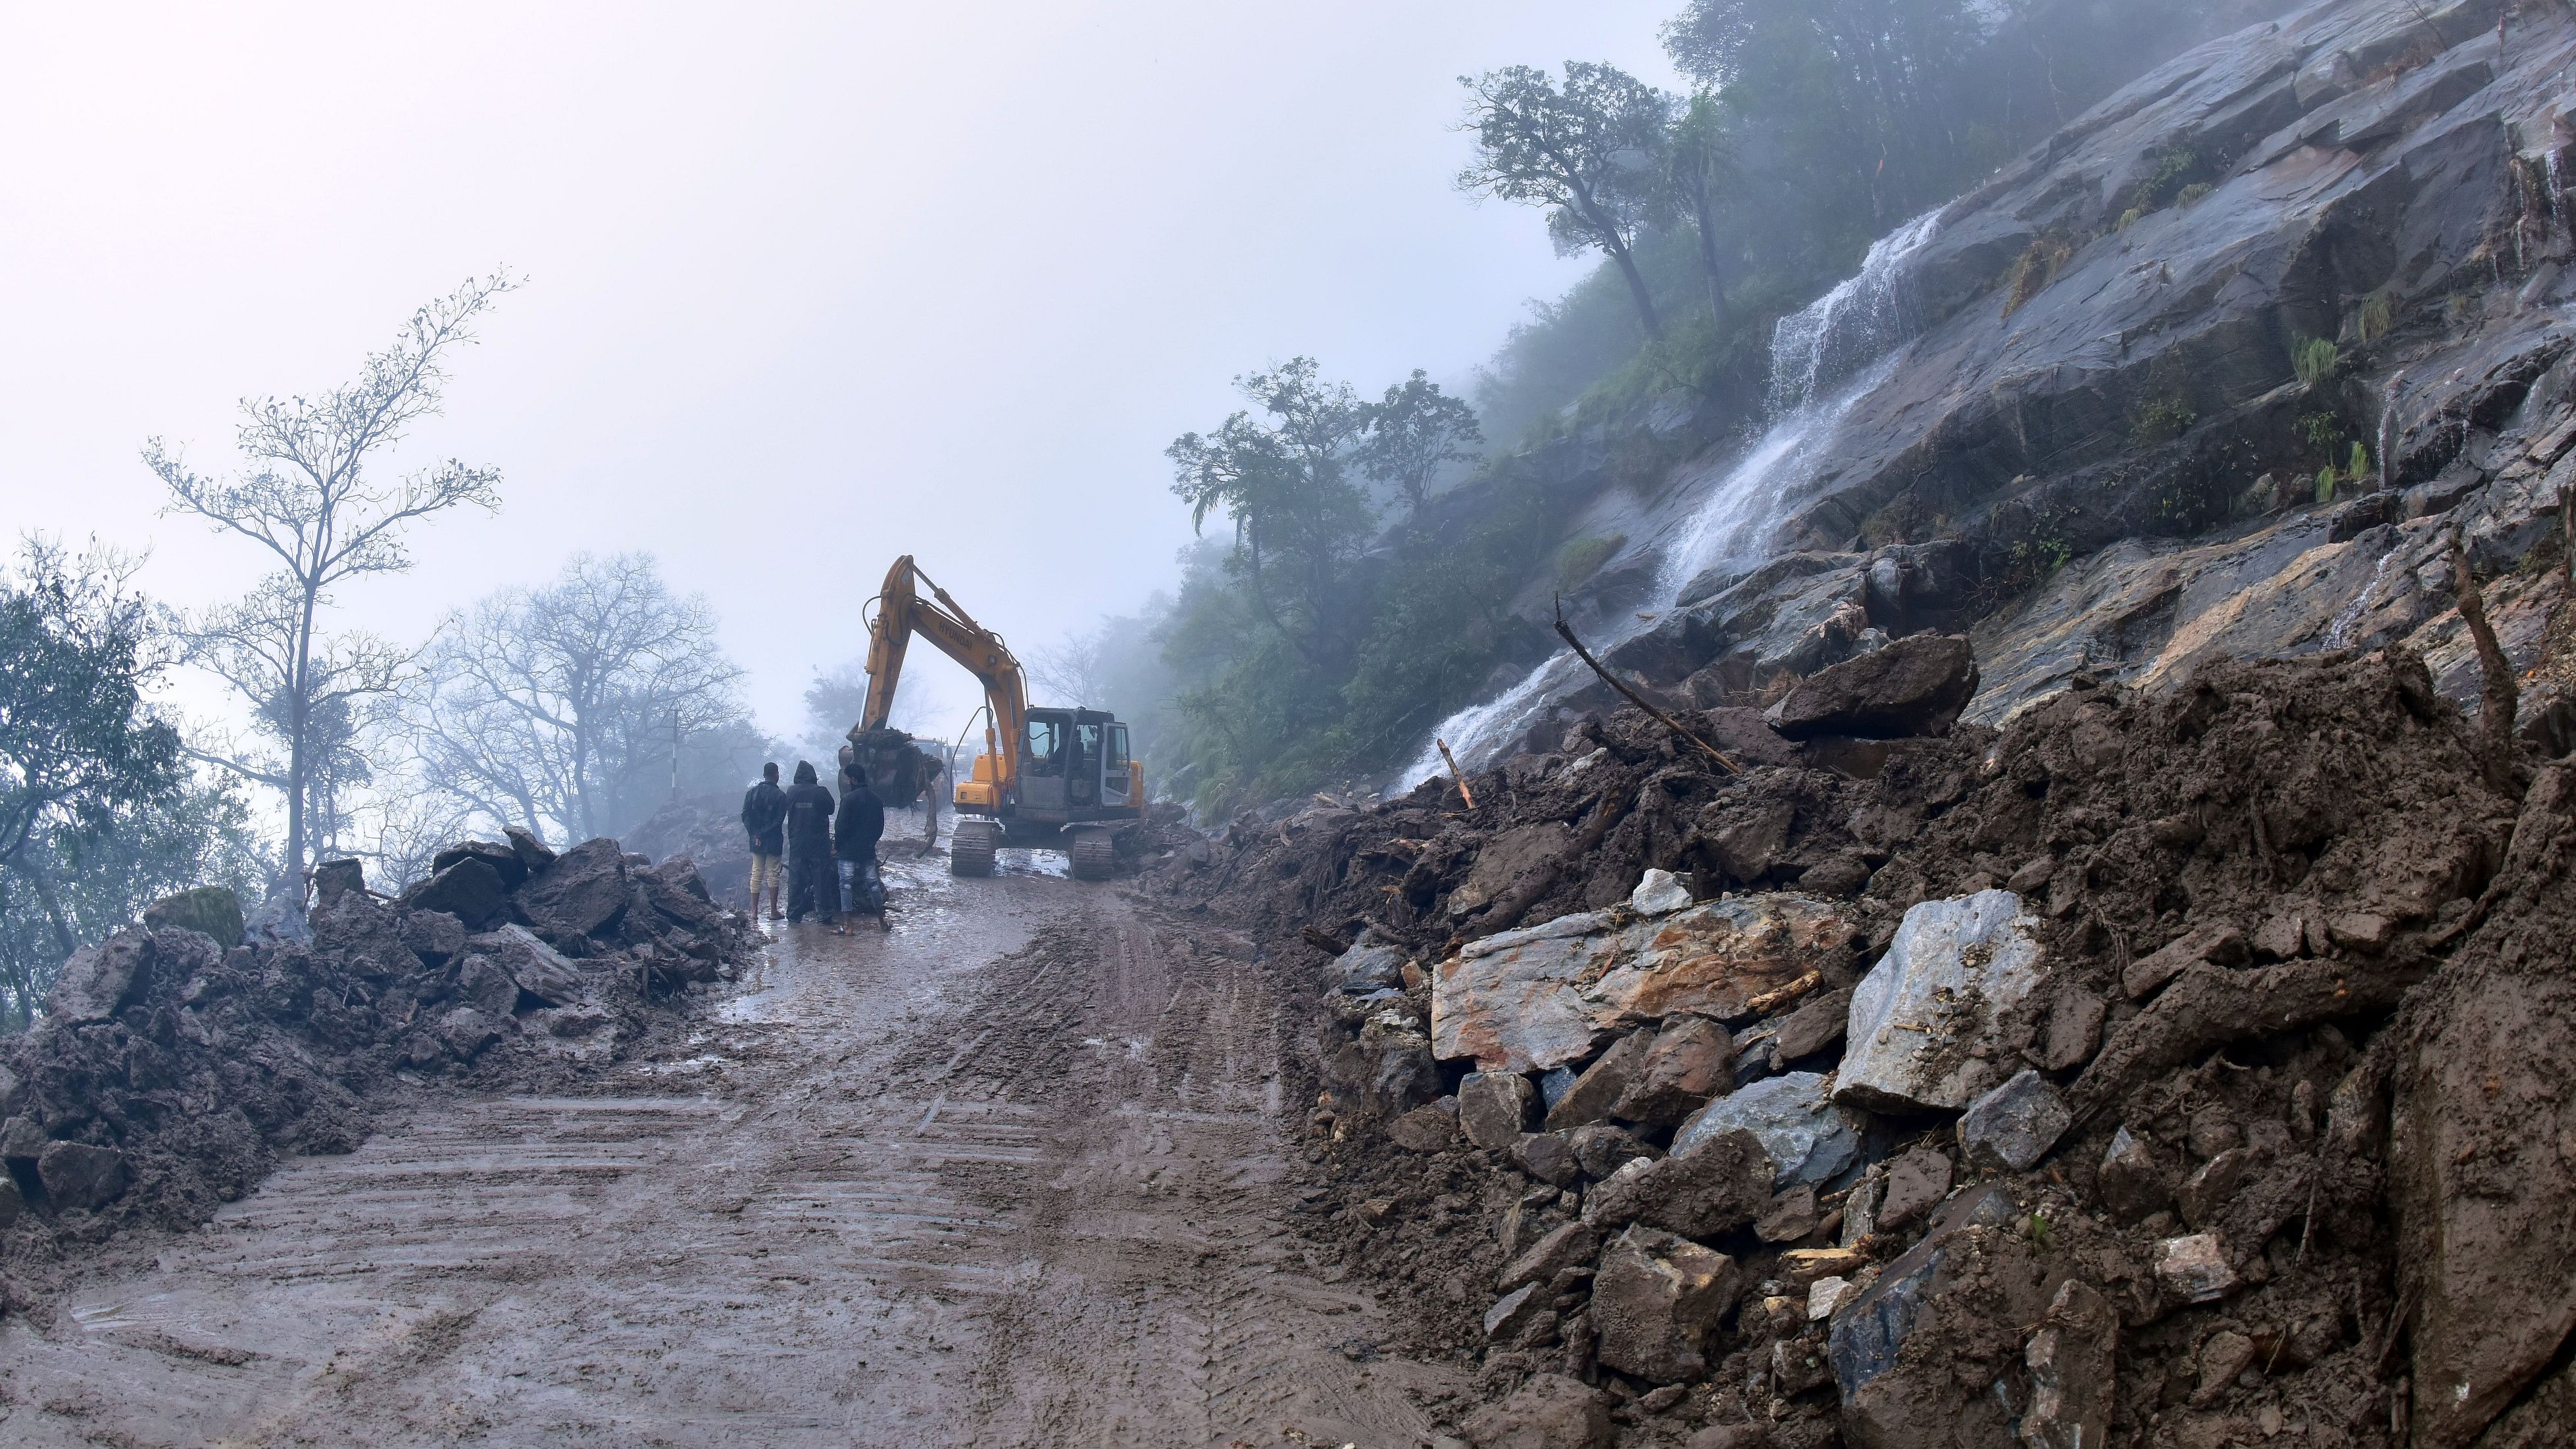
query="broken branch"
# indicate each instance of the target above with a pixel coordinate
(1566, 632)
(2497, 693)
(1457, 774)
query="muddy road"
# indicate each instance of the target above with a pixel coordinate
(1011, 1174)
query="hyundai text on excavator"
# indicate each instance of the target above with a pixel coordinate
(1059, 777)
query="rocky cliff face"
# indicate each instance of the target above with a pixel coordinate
(2339, 239)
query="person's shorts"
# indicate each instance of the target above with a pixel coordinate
(766, 873)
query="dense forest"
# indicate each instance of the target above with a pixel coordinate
(1341, 612)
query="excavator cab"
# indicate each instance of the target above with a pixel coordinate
(1046, 776)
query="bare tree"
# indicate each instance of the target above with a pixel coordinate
(1071, 671)
(306, 498)
(560, 708)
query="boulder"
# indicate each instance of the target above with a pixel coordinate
(534, 854)
(1504, 859)
(581, 893)
(212, 911)
(1720, 1185)
(1808, 1138)
(483, 985)
(11, 1203)
(1916, 1183)
(333, 879)
(364, 935)
(2012, 1127)
(1602, 1084)
(1424, 1129)
(1368, 966)
(1601, 1149)
(541, 971)
(675, 890)
(434, 936)
(97, 982)
(1915, 686)
(1687, 1064)
(1972, 1269)
(1550, 1411)
(1494, 1108)
(2194, 1269)
(1655, 1300)
(1934, 1022)
(504, 860)
(22, 1138)
(1547, 996)
(2133, 1181)
(1818, 1023)
(1384, 1070)
(1569, 1245)
(1660, 893)
(466, 1031)
(77, 1175)
(1515, 1312)
(2073, 1371)
(2074, 1029)
(1548, 1157)
(470, 890)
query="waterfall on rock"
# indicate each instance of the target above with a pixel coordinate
(1846, 341)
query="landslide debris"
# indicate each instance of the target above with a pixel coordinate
(2161, 1068)
(179, 1059)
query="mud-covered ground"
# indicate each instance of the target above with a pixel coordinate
(1016, 1172)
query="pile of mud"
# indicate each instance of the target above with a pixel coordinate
(2178, 1068)
(172, 1068)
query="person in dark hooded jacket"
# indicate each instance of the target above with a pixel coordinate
(811, 883)
(856, 828)
(764, 819)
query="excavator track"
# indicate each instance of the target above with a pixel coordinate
(1093, 854)
(971, 848)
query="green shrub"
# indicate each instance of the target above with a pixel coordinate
(2326, 481)
(1583, 557)
(2316, 359)
(2359, 466)
(2378, 313)
(2161, 420)
(2193, 194)
(2131, 217)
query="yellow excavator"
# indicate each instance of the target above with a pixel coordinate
(1047, 777)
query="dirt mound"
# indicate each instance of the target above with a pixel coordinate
(2129, 1168)
(170, 1071)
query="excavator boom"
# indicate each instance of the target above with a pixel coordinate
(902, 613)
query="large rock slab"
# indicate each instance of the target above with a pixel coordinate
(1934, 1024)
(1494, 1108)
(540, 970)
(1808, 1138)
(583, 891)
(1718, 1186)
(469, 889)
(77, 1175)
(1602, 1084)
(1549, 995)
(1655, 1299)
(96, 982)
(213, 911)
(1915, 686)
(1502, 861)
(1682, 1071)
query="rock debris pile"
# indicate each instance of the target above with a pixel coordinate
(179, 1058)
(2177, 1069)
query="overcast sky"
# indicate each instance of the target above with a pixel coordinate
(808, 286)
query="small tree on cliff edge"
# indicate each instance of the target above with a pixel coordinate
(306, 498)
(1414, 433)
(1588, 152)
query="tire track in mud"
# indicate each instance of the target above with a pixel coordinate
(1007, 1175)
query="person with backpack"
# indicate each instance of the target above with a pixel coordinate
(857, 827)
(811, 885)
(764, 819)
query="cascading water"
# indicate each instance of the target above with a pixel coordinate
(1848, 337)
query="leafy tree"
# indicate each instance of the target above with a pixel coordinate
(308, 500)
(1701, 167)
(98, 814)
(1587, 151)
(564, 709)
(1414, 433)
(1283, 478)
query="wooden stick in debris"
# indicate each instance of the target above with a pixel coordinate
(1457, 774)
(2497, 694)
(1566, 632)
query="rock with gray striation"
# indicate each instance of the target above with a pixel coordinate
(1934, 1021)
(1809, 1138)
(2012, 1127)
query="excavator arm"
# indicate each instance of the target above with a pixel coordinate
(901, 613)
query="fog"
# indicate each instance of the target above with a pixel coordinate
(808, 286)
